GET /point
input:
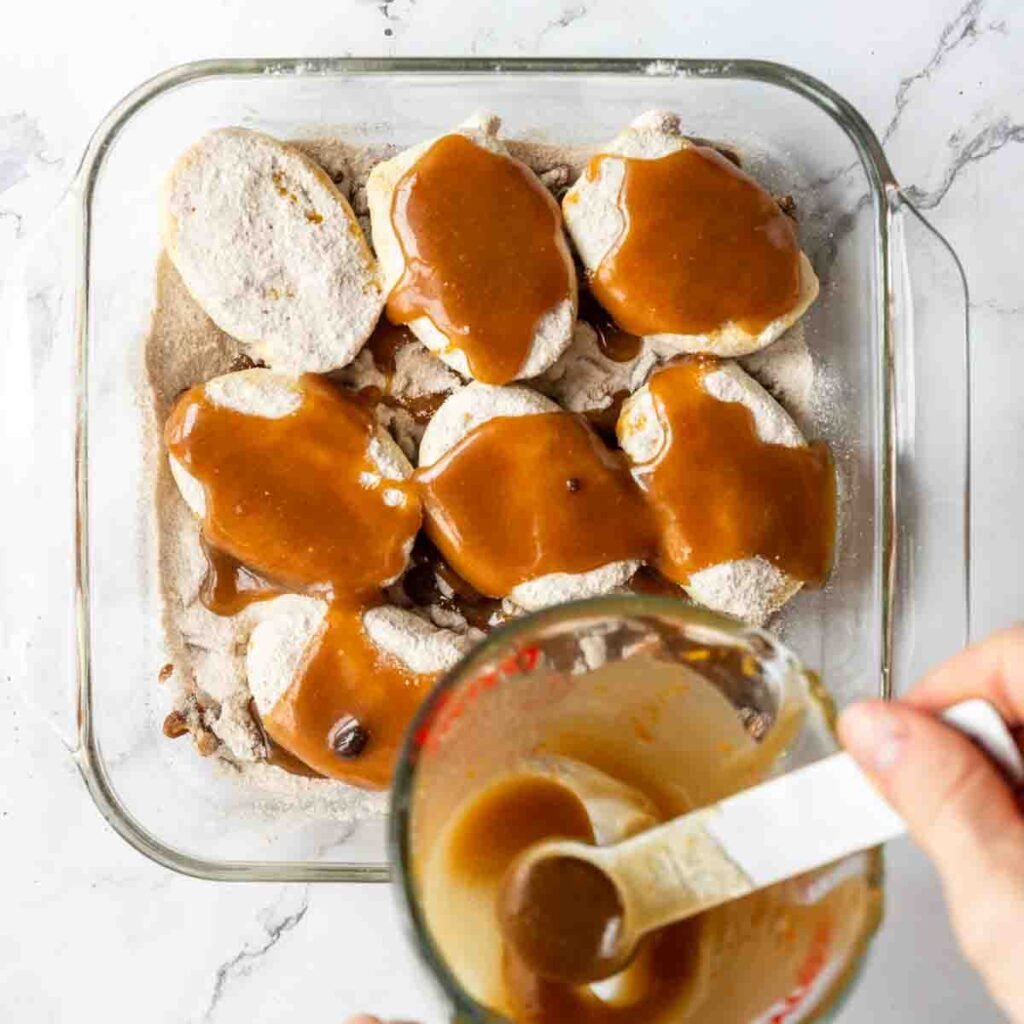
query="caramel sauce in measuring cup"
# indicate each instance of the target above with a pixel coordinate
(736, 962)
(506, 821)
(703, 245)
(485, 258)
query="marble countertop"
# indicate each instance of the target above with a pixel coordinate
(91, 929)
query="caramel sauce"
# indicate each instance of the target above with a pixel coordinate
(703, 245)
(484, 254)
(386, 342)
(431, 580)
(287, 497)
(509, 818)
(347, 676)
(288, 762)
(563, 918)
(618, 345)
(420, 407)
(384, 345)
(290, 506)
(658, 981)
(720, 493)
(647, 580)
(229, 586)
(613, 342)
(741, 961)
(503, 822)
(520, 497)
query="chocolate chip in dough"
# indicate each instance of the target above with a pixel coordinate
(348, 737)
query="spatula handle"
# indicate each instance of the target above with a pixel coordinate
(815, 815)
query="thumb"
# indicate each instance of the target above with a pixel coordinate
(965, 817)
(957, 806)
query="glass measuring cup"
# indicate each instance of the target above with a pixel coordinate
(678, 703)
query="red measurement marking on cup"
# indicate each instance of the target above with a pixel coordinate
(451, 705)
(423, 733)
(813, 965)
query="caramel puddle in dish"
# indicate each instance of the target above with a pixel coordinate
(612, 341)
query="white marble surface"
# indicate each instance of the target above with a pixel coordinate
(92, 931)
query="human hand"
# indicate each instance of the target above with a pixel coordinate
(957, 806)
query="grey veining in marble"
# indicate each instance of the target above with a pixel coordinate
(93, 931)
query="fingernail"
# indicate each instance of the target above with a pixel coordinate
(874, 734)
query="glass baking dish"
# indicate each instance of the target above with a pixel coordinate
(889, 327)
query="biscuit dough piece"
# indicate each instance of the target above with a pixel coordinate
(475, 405)
(271, 250)
(751, 589)
(597, 222)
(279, 644)
(552, 331)
(314, 499)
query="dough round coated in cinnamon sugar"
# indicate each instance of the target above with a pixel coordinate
(596, 221)
(271, 250)
(288, 627)
(476, 404)
(265, 394)
(751, 589)
(553, 332)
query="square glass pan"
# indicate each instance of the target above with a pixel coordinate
(888, 330)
